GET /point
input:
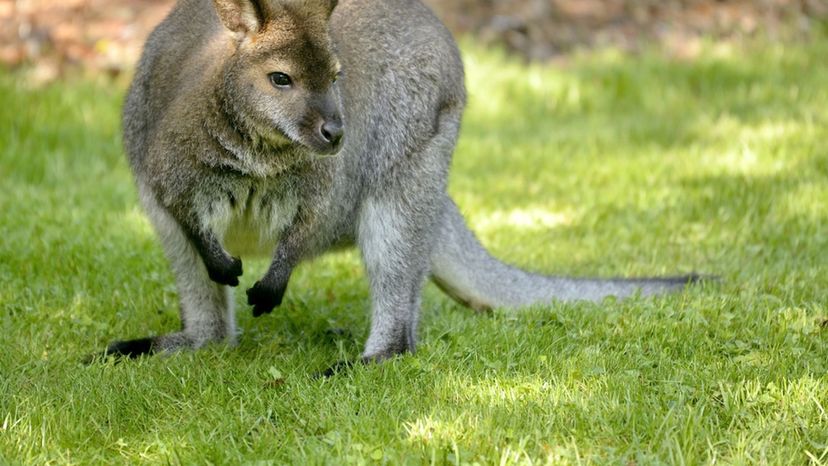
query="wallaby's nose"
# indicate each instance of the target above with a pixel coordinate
(331, 131)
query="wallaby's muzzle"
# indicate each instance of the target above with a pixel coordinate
(325, 136)
(331, 132)
(324, 129)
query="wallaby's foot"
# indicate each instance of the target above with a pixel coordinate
(131, 348)
(125, 349)
(336, 368)
(225, 270)
(162, 344)
(345, 365)
(265, 296)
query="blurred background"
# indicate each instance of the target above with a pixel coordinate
(55, 37)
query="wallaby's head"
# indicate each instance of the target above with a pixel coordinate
(281, 78)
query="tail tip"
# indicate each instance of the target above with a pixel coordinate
(694, 277)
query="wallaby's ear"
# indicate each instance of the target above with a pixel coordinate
(245, 16)
(330, 4)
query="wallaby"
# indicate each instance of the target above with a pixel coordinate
(291, 127)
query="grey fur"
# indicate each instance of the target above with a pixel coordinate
(226, 162)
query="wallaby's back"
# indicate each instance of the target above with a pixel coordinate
(402, 72)
(168, 63)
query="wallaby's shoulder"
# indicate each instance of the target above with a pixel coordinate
(187, 29)
(399, 26)
(402, 39)
(168, 63)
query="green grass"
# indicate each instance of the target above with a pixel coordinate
(609, 165)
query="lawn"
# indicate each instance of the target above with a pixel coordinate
(604, 165)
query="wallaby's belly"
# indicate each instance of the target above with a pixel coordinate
(245, 238)
(252, 216)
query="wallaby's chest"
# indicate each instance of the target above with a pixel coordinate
(250, 216)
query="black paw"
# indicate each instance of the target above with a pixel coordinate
(336, 368)
(226, 272)
(130, 349)
(264, 297)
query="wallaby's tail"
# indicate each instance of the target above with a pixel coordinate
(469, 274)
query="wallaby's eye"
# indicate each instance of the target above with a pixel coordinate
(279, 79)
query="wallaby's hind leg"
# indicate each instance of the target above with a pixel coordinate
(395, 240)
(206, 308)
(395, 249)
(397, 227)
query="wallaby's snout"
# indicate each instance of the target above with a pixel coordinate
(331, 132)
(329, 128)
(322, 128)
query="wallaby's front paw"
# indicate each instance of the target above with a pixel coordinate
(226, 272)
(264, 297)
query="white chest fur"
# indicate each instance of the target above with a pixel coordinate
(249, 218)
